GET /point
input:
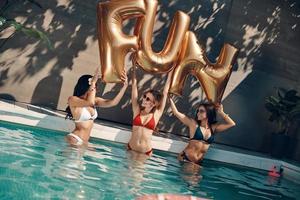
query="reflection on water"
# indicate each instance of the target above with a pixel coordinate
(72, 162)
(191, 173)
(39, 164)
(136, 170)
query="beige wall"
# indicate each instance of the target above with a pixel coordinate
(267, 32)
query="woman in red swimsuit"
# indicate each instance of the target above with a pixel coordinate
(146, 115)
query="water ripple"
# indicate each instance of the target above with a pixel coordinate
(39, 164)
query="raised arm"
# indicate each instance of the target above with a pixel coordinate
(91, 93)
(161, 108)
(134, 93)
(106, 103)
(182, 117)
(228, 121)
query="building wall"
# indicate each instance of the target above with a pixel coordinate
(266, 32)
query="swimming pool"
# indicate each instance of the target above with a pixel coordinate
(37, 163)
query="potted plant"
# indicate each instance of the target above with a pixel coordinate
(285, 111)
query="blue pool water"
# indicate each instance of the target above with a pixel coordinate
(38, 164)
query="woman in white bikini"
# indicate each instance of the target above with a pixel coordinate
(82, 106)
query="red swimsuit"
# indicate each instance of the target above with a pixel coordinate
(137, 121)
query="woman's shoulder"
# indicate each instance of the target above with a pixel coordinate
(214, 126)
(72, 98)
(72, 101)
(193, 123)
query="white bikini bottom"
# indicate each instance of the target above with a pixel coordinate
(79, 140)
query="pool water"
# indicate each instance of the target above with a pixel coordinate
(37, 163)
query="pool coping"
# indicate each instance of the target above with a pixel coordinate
(35, 116)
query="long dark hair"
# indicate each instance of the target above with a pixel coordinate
(157, 97)
(210, 113)
(80, 89)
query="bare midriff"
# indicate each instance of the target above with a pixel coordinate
(196, 150)
(83, 130)
(140, 140)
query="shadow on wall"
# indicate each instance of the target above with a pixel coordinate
(269, 36)
(47, 91)
(269, 45)
(68, 26)
(7, 97)
(206, 17)
(265, 31)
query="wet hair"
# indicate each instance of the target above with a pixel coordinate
(81, 87)
(157, 97)
(210, 113)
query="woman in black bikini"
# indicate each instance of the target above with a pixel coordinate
(202, 130)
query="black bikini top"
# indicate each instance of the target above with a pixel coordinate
(199, 136)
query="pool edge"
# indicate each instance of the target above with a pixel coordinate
(12, 113)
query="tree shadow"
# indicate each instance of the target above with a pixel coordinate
(7, 97)
(262, 31)
(49, 85)
(205, 14)
(266, 32)
(69, 27)
(268, 43)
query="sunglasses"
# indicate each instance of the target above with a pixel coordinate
(146, 98)
(201, 111)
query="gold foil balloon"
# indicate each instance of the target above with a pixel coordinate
(166, 59)
(181, 49)
(213, 77)
(113, 43)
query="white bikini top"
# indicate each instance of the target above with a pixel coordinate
(86, 115)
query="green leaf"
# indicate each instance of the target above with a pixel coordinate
(32, 32)
(274, 99)
(285, 109)
(290, 94)
(269, 106)
(39, 35)
(16, 25)
(274, 117)
(47, 41)
(286, 102)
(281, 93)
(295, 112)
(2, 21)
